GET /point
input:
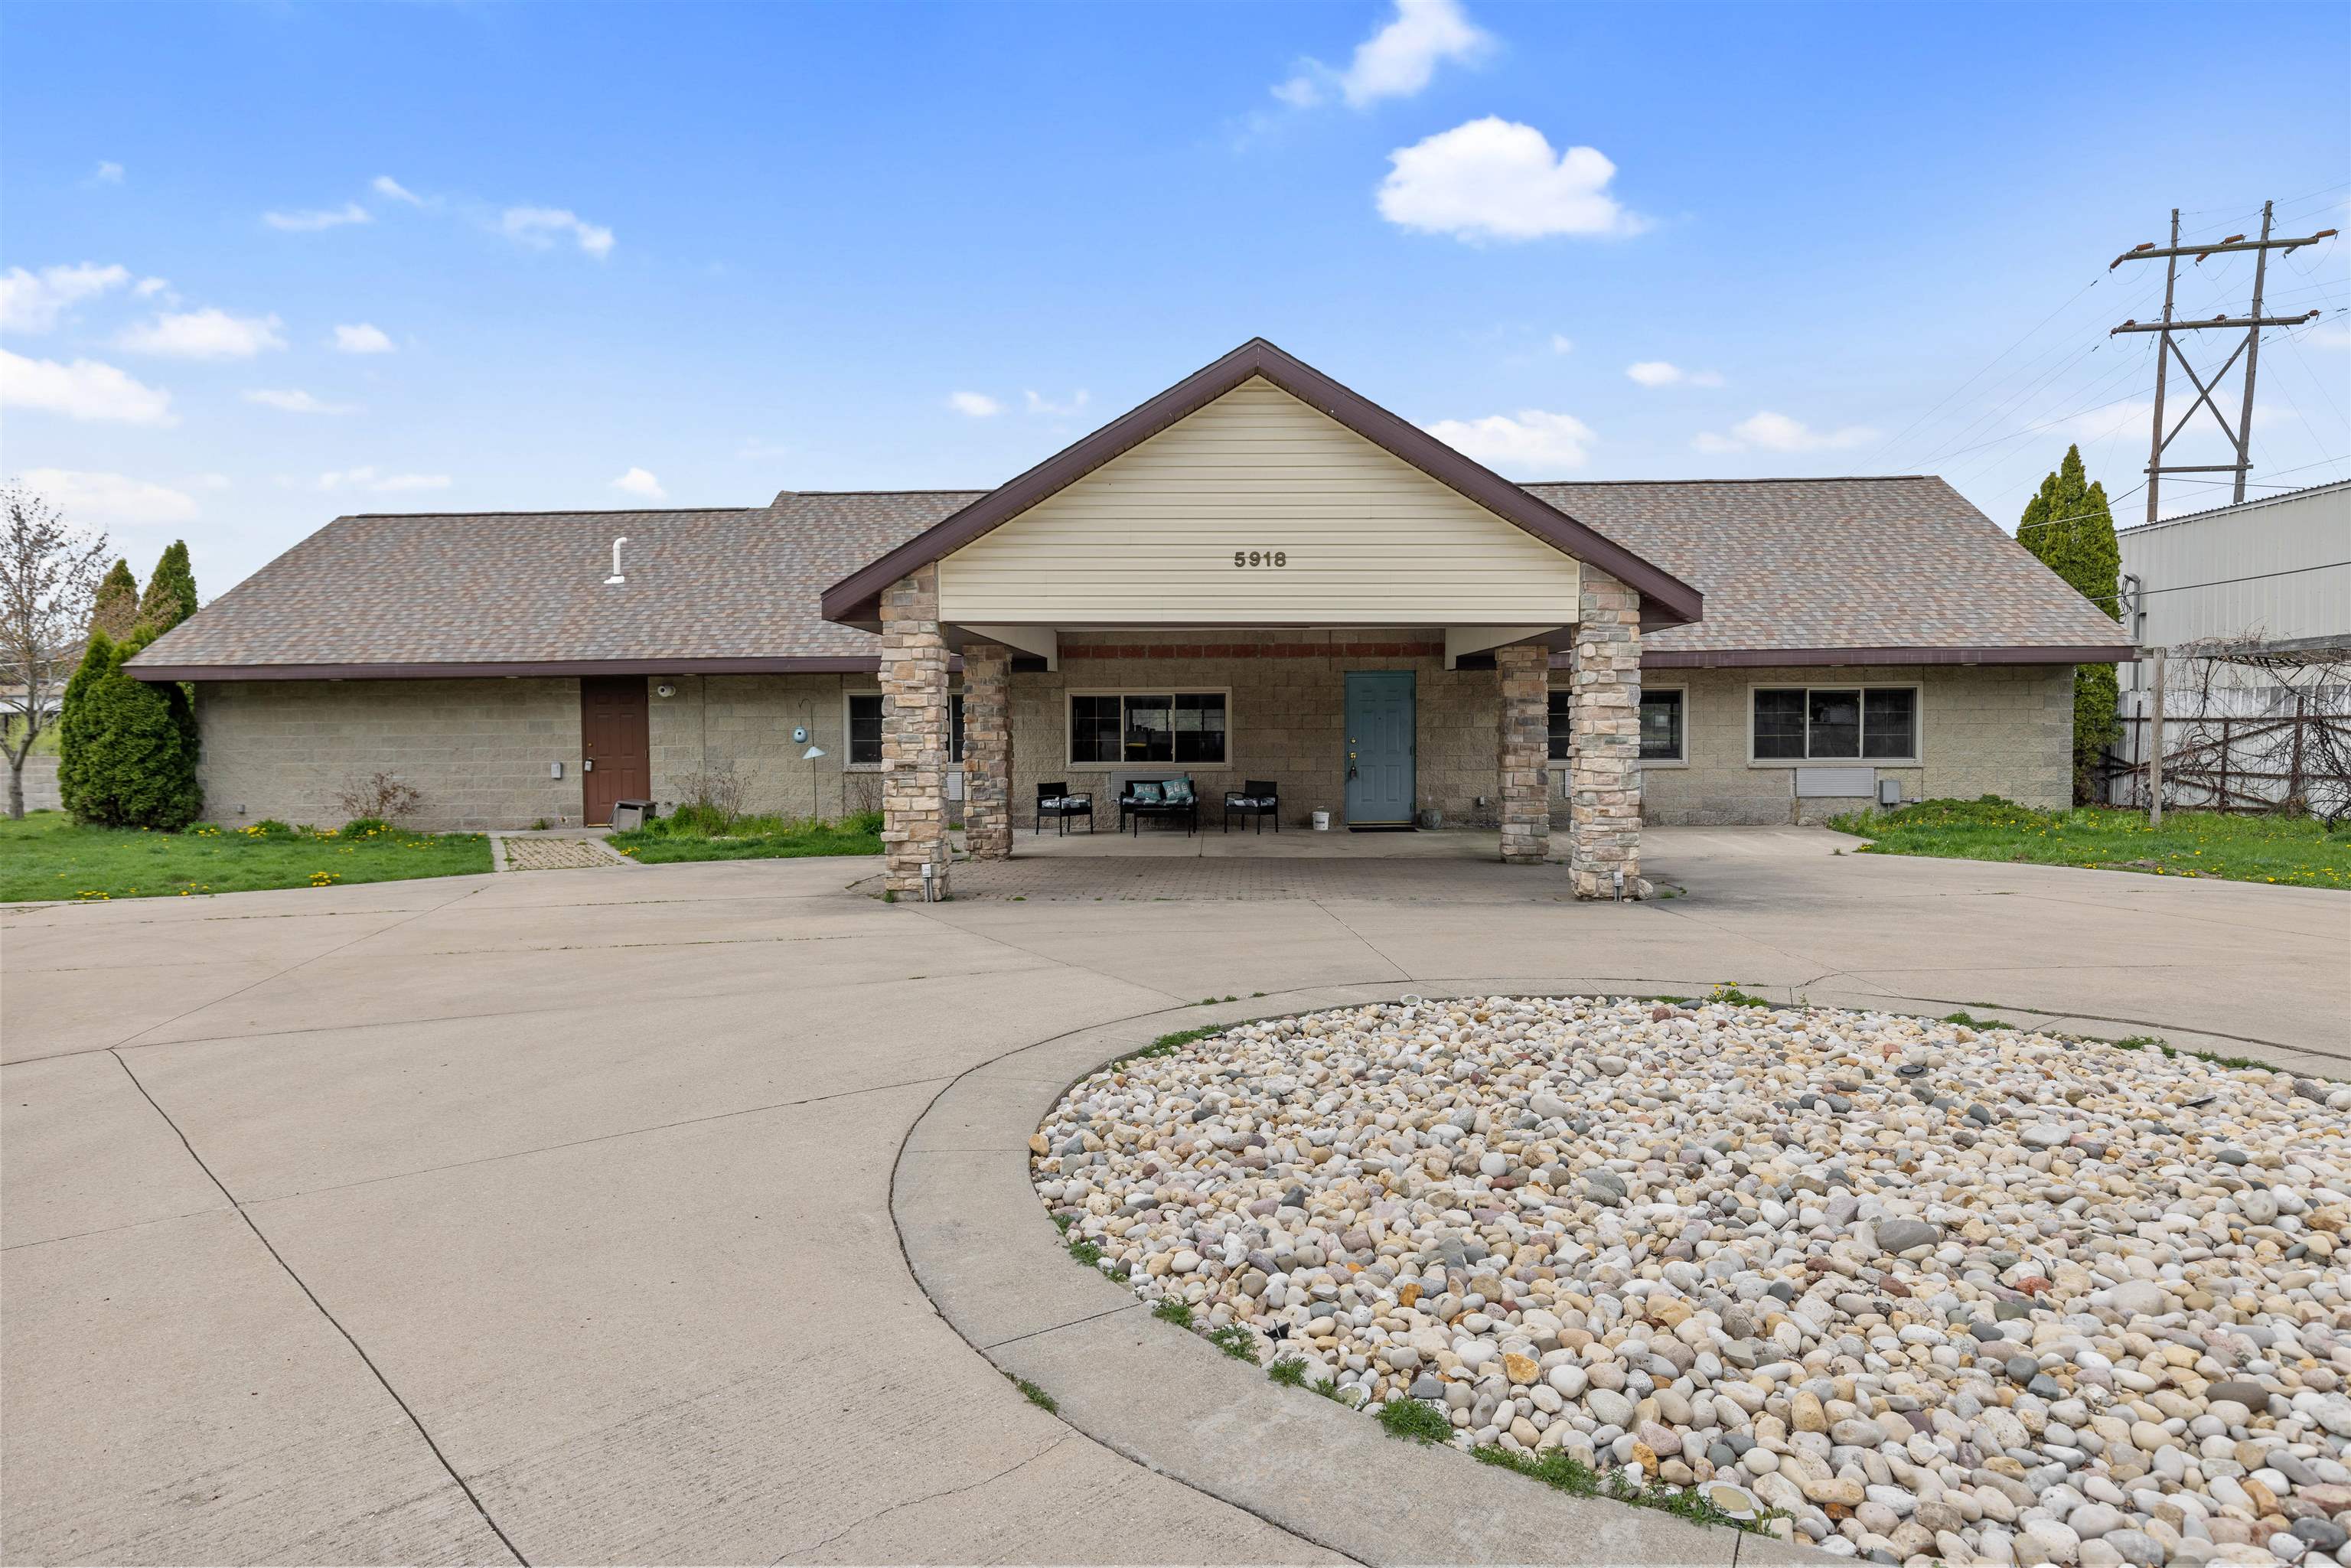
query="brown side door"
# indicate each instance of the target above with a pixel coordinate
(613, 736)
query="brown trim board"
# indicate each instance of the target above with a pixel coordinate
(1760, 658)
(789, 665)
(855, 599)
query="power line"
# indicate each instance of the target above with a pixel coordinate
(2222, 582)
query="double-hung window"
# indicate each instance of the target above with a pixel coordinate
(1142, 727)
(1835, 724)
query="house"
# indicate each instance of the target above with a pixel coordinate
(2253, 604)
(1256, 574)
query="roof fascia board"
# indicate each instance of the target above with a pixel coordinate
(1760, 658)
(853, 599)
(480, 669)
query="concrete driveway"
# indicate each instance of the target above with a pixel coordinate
(546, 1215)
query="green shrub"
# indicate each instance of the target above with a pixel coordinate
(171, 596)
(127, 748)
(364, 827)
(863, 822)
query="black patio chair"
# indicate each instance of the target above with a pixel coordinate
(1258, 798)
(1055, 800)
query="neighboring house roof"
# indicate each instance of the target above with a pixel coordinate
(2257, 504)
(1842, 571)
(1665, 599)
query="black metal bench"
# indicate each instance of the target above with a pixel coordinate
(1130, 809)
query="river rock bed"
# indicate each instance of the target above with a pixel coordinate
(1910, 1289)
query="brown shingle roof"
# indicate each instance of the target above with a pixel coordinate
(1871, 566)
(1791, 568)
(736, 587)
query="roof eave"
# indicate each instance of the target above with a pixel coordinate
(1666, 598)
(1984, 654)
(783, 664)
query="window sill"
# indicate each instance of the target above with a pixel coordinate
(1785, 763)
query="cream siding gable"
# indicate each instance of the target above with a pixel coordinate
(1363, 537)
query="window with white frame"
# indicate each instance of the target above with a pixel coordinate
(1836, 724)
(1121, 727)
(1663, 727)
(864, 728)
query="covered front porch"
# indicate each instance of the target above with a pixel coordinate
(1259, 582)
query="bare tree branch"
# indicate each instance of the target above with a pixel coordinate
(49, 573)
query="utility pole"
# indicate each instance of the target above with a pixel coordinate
(2166, 351)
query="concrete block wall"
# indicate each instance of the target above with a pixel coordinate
(748, 720)
(1997, 729)
(477, 750)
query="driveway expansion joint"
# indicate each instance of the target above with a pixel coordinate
(332, 1321)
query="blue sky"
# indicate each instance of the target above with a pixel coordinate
(268, 264)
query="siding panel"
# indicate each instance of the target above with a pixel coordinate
(1149, 538)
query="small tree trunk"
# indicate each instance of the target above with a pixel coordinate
(16, 786)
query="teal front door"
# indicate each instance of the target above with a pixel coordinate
(1379, 749)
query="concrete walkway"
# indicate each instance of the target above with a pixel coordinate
(548, 1217)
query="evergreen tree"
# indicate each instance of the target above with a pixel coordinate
(117, 610)
(171, 596)
(127, 748)
(2070, 526)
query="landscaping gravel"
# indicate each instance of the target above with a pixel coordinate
(1917, 1290)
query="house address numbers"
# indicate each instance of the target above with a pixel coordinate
(1248, 558)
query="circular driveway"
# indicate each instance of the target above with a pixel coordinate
(550, 1216)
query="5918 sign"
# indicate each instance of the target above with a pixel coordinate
(1249, 557)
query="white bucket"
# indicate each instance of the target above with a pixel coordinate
(1321, 821)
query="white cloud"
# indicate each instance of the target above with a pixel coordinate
(106, 174)
(1561, 344)
(385, 185)
(207, 334)
(84, 389)
(1395, 62)
(361, 338)
(148, 287)
(295, 401)
(1767, 432)
(34, 302)
(1036, 404)
(641, 482)
(323, 218)
(111, 498)
(978, 405)
(1493, 179)
(2331, 337)
(1659, 373)
(368, 479)
(540, 227)
(1530, 443)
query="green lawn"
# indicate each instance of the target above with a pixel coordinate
(46, 855)
(694, 836)
(2284, 850)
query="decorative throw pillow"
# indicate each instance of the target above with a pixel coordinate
(1179, 792)
(1144, 793)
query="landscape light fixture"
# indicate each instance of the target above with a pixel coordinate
(812, 753)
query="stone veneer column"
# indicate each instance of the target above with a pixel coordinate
(1525, 669)
(914, 737)
(988, 751)
(1605, 783)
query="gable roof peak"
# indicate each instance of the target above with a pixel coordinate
(855, 599)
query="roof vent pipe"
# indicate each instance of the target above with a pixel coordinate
(616, 576)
